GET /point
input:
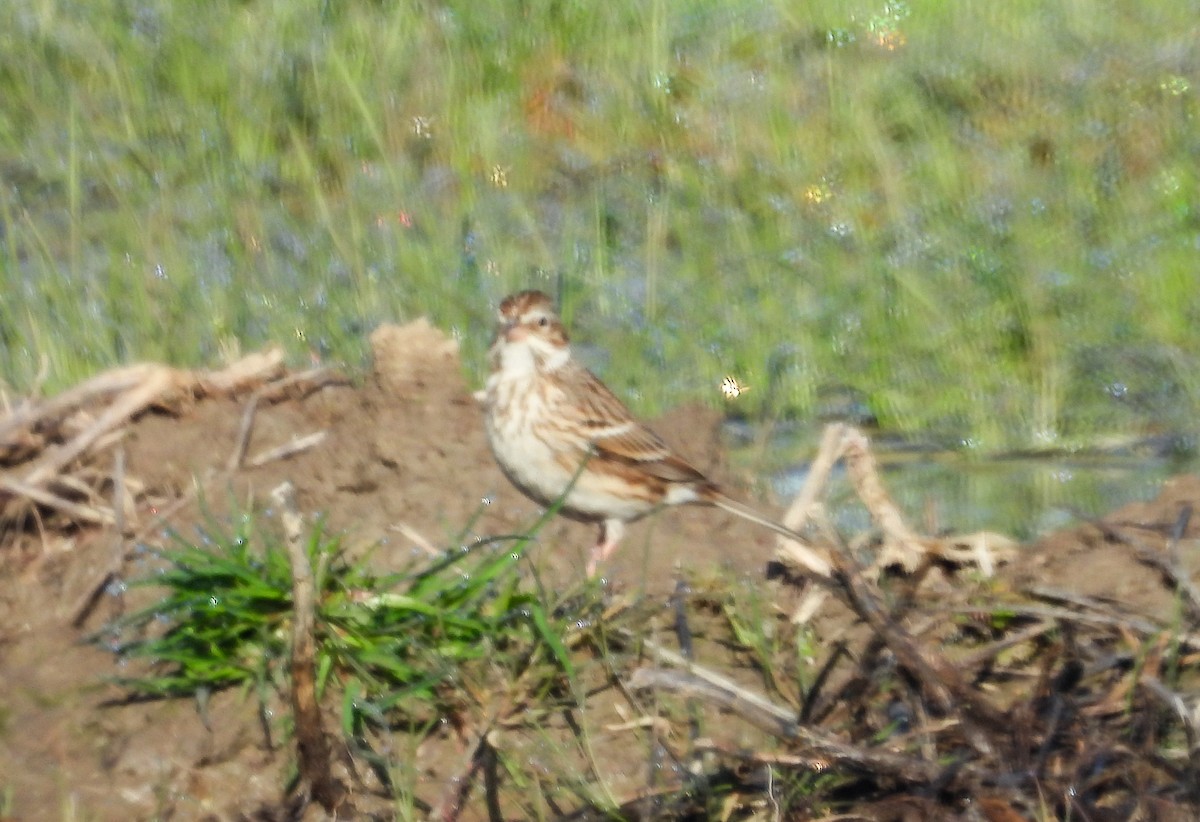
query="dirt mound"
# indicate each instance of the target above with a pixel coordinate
(399, 461)
(403, 456)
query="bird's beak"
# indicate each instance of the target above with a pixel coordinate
(512, 331)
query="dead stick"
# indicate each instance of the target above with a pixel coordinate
(1171, 566)
(251, 370)
(117, 555)
(83, 610)
(110, 382)
(981, 655)
(801, 509)
(244, 430)
(874, 761)
(775, 721)
(312, 746)
(1187, 717)
(802, 557)
(1137, 625)
(288, 449)
(908, 547)
(759, 703)
(853, 689)
(301, 384)
(78, 511)
(304, 383)
(458, 787)
(940, 679)
(130, 403)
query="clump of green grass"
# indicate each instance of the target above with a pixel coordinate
(387, 643)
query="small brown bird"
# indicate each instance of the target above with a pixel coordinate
(549, 419)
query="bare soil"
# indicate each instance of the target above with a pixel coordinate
(405, 448)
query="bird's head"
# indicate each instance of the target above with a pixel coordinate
(529, 334)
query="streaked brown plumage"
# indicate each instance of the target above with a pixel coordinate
(547, 415)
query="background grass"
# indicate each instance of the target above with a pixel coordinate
(980, 221)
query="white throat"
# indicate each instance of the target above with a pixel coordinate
(556, 359)
(525, 359)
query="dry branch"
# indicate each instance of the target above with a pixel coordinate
(251, 371)
(288, 449)
(137, 399)
(91, 390)
(1169, 564)
(816, 744)
(49, 432)
(1095, 612)
(758, 703)
(775, 720)
(458, 787)
(243, 438)
(939, 677)
(902, 546)
(117, 553)
(312, 745)
(89, 514)
(804, 506)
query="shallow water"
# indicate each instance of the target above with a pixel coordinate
(1022, 495)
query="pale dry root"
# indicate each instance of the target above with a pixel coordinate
(52, 451)
(901, 546)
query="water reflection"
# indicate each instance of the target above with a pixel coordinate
(1024, 496)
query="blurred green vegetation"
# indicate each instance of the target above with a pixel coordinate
(980, 220)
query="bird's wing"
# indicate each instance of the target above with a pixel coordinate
(617, 435)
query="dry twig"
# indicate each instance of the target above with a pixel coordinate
(312, 745)
(117, 553)
(939, 678)
(288, 449)
(238, 456)
(817, 745)
(49, 432)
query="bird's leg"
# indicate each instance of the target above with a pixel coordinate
(611, 531)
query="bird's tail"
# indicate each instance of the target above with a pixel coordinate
(814, 561)
(746, 512)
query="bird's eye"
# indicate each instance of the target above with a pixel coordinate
(543, 322)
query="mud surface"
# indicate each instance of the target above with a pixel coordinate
(405, 448)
